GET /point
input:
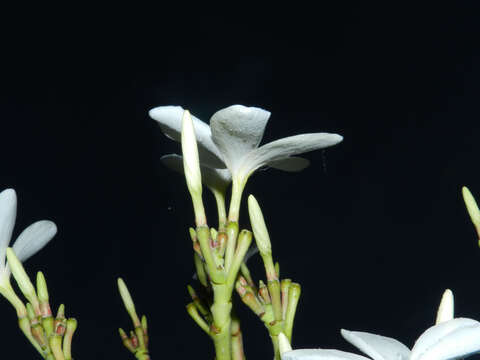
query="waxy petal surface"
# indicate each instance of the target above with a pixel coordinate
(8, 213)
(34, 238)
(448, 340)
(286, 147)
(214, 178)
(170, 120)
(237, 130)
(321, 354)
(376, 346)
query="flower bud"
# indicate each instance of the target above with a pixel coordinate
(128, 302)
(22, 279)
(42, 290)
(191, 166)
(472, 206)
(258, 226)
(446, 309)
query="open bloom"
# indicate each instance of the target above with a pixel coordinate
(450, 338)
(29, 242)
(232, 140)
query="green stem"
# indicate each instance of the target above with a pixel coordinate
(223, 343)
(276, 350)
(222, 212)
(237, 189)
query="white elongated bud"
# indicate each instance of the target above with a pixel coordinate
(22, 279)
(127, 301)
(446, 309)
(472, 206)
(191, 163)
(283, 343)
(191, 167)
(258, 226)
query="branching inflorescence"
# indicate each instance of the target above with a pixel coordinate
(228, 151)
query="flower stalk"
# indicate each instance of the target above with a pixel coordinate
(137, 343)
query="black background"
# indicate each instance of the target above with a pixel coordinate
(374, 230)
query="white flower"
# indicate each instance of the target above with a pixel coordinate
(29, 242)
(232, 140)
(448, 339)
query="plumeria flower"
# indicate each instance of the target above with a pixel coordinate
(450, 338)
(232, 140)
(30, 241)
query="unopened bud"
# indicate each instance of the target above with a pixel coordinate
(258, 226)
(191, 166)
(472, 206)
(22, 279)
(128, 302)
(446, 309)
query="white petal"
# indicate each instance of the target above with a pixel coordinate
(170, 120)
(237, 130)
(34, 238)
(448, 340)
(214, 178)
(376, 346)
(8, 213)
(283, 148)
(291, 164)
(446, 309)
(320, 354)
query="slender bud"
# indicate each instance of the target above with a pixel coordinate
(191, 165)
(258, 226)
(446, 309)
(472, 208)
(283, 343)
(22, 279)
(128, 302)
(42, 292)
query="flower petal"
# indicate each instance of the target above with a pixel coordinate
(237, 130)
(170, 120)
(213, 178)
(320, 354)
(376, 346)
(283, 148)
(291, 164)
(8, 213)
(448, 340)
(34, 238)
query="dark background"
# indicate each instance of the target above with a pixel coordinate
(374, 230)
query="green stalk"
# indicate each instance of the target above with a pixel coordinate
(237, 189)
(222, 211)
(276, 351)
(232, 234)
(216, 274)
(293, 297)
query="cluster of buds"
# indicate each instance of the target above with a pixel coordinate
(52, 337)
(137, 342)
(260, 301)
(275, 303)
